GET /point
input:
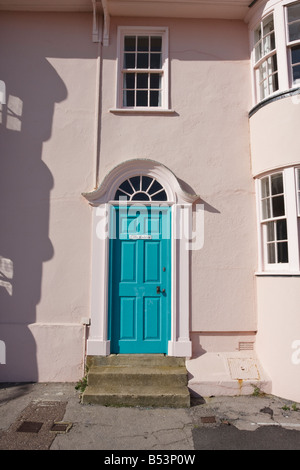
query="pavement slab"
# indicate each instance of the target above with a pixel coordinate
(239, 422)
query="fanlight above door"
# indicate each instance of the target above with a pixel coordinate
(141, 188)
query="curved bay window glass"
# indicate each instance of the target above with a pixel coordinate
(265, 57)
(293, 23)
(141, 188)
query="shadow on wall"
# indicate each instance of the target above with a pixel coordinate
(32, 89)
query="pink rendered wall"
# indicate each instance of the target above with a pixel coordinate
(46, 144)
(206, 144)
(47, 156)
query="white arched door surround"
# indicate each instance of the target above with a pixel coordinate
(181, 203)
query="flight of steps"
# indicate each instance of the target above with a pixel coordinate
(150, 380)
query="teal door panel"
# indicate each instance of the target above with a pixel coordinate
(140, 280)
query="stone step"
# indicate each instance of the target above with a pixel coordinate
(148, 360)
(164, 375)
(126, 396)
(153, 380)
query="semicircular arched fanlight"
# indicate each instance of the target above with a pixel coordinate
(141, 188)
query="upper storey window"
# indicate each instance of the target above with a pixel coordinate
(293, 29)
(266, 70)
(276, 48)
(143, 74)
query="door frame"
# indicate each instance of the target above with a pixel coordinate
(181, 203)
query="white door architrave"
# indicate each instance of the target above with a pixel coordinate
(181, 205)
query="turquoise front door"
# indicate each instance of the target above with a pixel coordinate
(140, 279)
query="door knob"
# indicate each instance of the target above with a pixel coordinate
(158, 291)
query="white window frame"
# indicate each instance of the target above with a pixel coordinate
(292, 220)
(264, 57)
(297, 177)
(164, 70)
(289, 45)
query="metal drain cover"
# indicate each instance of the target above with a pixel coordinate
(208, 419)
(61, 427)
(30, 426)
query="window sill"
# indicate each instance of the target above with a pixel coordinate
(274, 97)
(277, 273)
(143, 111)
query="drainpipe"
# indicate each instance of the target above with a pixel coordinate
(96, 37)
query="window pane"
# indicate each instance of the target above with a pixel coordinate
(281, 230)
(142, 98)
(142, 80)
(162, 196)
(142, 61)
(266, 212)
(129, 61)
(154, 98)
(278, 206)
(143, 43)
(268, 25)
(262, 71)
(155, 80)
(294, 12)
(140, 197)
(257, 34)
(125, 186)
(295, 54)
(277, 184)
(296, 74)
(269, 43)
(146, 181)
(119, 195)
(294, 31)
(258, 51)
(128, 98)
(271, 253)
(129, 43)
(265, 188)
(273, 83)
(136, 182)
(270, 232)
(156, 186)
(298, 178)
(282, 252)
(264, 91)
(128, 81)
(155, 61)
(156, 42)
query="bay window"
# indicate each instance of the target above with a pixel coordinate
(275, 39)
